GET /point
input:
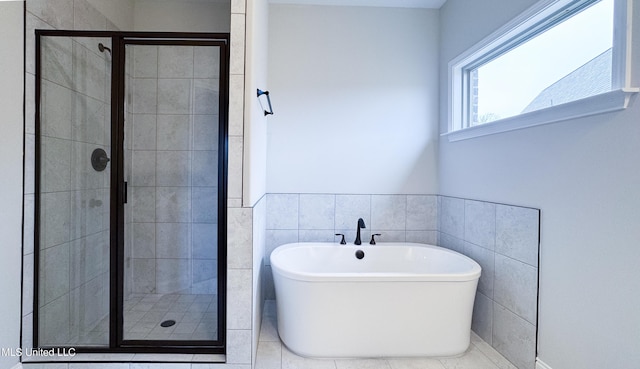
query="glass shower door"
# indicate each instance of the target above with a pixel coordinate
(171, 167)
(73, 148)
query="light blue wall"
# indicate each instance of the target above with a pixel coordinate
(11, 141)
(354, 91)
(583, 175)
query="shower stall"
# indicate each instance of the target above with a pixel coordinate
(131, 164)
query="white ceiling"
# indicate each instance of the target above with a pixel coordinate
(431, 4)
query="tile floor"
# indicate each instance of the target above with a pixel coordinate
(195, 316)
(272, 354)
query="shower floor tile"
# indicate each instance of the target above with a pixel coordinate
(272, 354)
(195, 317)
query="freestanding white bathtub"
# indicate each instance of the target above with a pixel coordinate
(399, 300)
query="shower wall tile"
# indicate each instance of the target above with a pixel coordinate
(514, 338)
(204, 205)
(55, 269)
(173, 168)
(89, 77)
(173, 240)
(203, 166)
(57, 61)
(206, 62)
(55, 216)
(205, 132)
(29, 163)
(205, 241)
(239, 241)
(28, 224)
(174, 96)
(54, 322)
(57, 116)
(56, 164)
(206, 96)
(234, 178)
(236, 105)
(238, 6)
(517, 233)
(143, 203)
(143, 168)
(87, 261)
(145, 96)
(317, 211)
(30, 104)
(173, 204)
(145, 61)
(175, 62)
(59, 16)
(83, 176)
(173, 275)
(239, 346)
(516, 287)
(86, 16)
(236, 61)
(144, 132)
(239, 298)
(143, 240)
(88, 121)
(144, 276)
(480, 223)
(174, 132)
(32, 23)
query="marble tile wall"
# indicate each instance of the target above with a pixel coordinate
(61, 14)
(174, 176)
(504, 240)
(74, 211)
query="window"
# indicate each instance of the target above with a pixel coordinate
(559, 60)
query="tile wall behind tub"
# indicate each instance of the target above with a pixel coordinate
(504, 240)
(318, 217)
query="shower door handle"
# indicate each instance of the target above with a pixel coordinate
(124, 192)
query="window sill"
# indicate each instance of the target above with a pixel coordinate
(597, 104)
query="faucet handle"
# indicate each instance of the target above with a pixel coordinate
(342, 241)
(373, 238)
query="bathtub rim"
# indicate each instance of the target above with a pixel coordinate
(470, 275)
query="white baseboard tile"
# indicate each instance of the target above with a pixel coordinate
(541, 364)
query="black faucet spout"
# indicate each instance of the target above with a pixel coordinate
(358, 241)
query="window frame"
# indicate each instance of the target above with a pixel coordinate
(543, 15)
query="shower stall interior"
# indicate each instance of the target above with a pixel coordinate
(130, 216)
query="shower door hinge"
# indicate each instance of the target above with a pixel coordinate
(124, 193)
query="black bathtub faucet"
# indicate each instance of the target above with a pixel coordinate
(360, 225)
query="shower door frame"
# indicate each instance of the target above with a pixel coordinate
(118, 195)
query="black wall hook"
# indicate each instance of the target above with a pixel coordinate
(266, 93)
